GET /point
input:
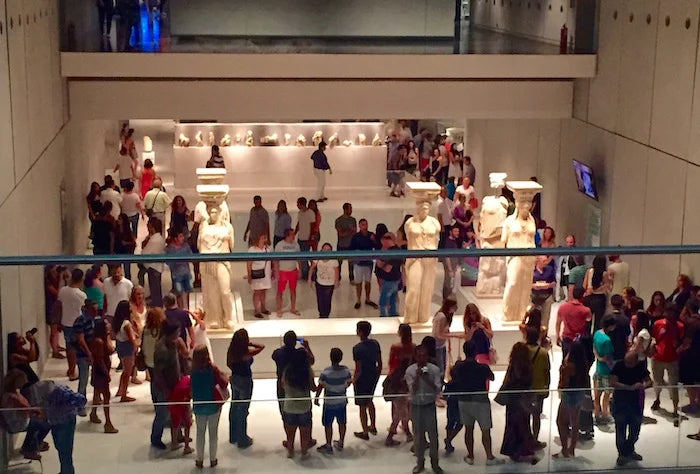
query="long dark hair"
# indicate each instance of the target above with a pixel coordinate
(379, 231)
(577, 356)
(238, 348)
(651, 307)
(405, 333)
(534, 318)
(430, 345)
(448, 303)
(94, 193)
(121, 314)
(281, 204)
(298, 371)
(519, 366)
(598, 270)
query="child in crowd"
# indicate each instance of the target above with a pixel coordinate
(200, 329)
(396, 392)
(334, 380)
(180, 415)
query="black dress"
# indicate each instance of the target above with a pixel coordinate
(517, 438)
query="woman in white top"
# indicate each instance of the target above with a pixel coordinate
(641, 341)
(200, 330)
(127, 342)
(137, 300)
(149, 336)
(259, 277)
(327, 280)
(441, 331)
(455, 166)
(131, 206)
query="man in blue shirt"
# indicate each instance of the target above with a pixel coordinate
(84, 327)
(320, 166)
(544, 280)
(362, 269)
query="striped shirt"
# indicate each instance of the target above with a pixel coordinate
(335, 379)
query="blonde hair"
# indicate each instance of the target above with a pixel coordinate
(202, 313)
(132, 297)
(200, 357)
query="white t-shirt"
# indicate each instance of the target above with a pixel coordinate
(121, 334)
(130, 203)
(72, 302)
(115, 198)
(125, 164)
(305, 219)
(641, 344)
(284, 246)
(116, 293)
(259, 264)
(621, 276)
(155, 246)
(444, 210)
(469, 192)
(439, 323)
(325, 272)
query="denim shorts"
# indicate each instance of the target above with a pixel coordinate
(182, 284)
(71, 338)
(297, 419)
(124, 349)
(334, 412)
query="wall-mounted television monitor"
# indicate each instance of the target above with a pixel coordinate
(585, 180)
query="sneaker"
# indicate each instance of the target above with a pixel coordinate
(245, 444)
(470, 461)
(338, 445)
(621, 461)
(539, 445)
(656, 405)
(449, 449)
(325, 449)
(158, 445)
(495, 461)
(635, 456)
(418, 469)
(391, 442)
(187, 450)
(361, 435)
(438, 470)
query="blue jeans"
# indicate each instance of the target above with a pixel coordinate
(161, 418)
(63, 435)
(628, 422)
(83, 374)
(441, 356)
(134, 221)
(36, 432)
(304, 247)
(387, 297)
(241, 389)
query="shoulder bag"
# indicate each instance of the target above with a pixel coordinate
(149, 210)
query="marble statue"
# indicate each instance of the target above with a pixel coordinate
(287, 139)
(301, 140)
(492, 270)
(147, 144)
(212, 139)
(422, 233)
(270, 140)
(376, 141)
(198, 139)
(333, 140)
(225, 140)
(183, 140)
(362, 139)
(347, 142)
(519, 232)
(249, 140)
(239, 139)
(317, 137)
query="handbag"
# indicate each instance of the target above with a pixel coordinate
(257, 274)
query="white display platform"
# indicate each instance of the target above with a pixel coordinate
(261, 167)
(324, 334)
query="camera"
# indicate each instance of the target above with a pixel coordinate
(424, 370)
(32, 331)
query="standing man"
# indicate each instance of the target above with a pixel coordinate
(363, 240)
(287, 271)
(621, 333)
(543, 282)
(575, 318)
(156, 201)
(346, 226)
(577, 275)
(603, 350)
(112, 195)
(320, 166)
(72, 299)
(84, 328)
(180, 318)
(567, 263)
(629, 378)
(283, 356)
(180, 271)
(305, 219)
(424, 384)
(126, 166)
(468, 169)
(367, 355)
(116, 289)
(389, 272)
(258, 222)
(452, 277)
(668, 333)
(154, 244)
(444, 212)
(619, 272)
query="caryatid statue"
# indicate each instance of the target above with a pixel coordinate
(216, 237)
(492, 270)
(422, 233)
(519, 232)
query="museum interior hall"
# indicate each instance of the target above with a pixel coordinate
(225, 220)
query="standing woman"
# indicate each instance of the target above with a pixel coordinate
(656, 307)
(327, 279)
(597, 285)
(125, 242)
(518, 442)
(464, 218)
(283, 221)
(94, 204)
(100, 349)
(137, 301)
(127, 341)
(402, 350)
(455, 165)
(180, 215)
(207, 382)
(93, 288)
(149, 336)
(440, 173)
(259, 276)
(239, 359)
(411, 157)
(548, 241)
(441, 331)
(315, 235)
(477, 328)
(148, 174)
(53, 316)
(573, 380)
(298, 382)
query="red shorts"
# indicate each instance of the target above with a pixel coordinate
(290, 277)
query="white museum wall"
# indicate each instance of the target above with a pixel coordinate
(540, 19)
(313, 18)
